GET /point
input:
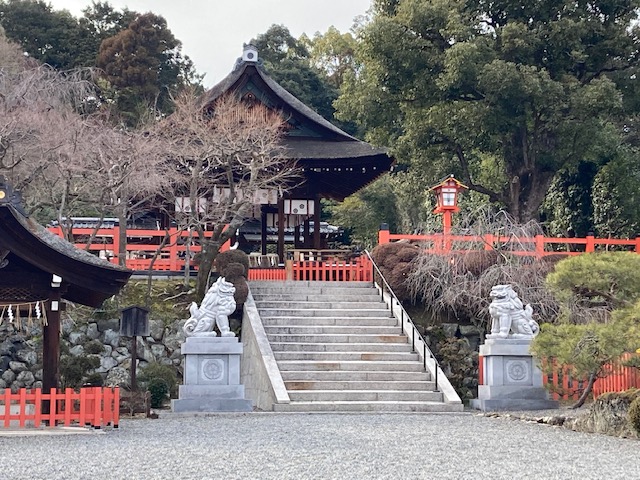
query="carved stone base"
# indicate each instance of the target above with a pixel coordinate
(512, 381)
(211, 377)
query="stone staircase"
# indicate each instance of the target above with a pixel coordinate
(338, 349)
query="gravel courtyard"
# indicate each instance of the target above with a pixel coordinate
(322, 446)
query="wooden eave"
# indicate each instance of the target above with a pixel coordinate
(38, 254)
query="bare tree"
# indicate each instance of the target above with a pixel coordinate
(223, 156)
(460, 281)
(42, 129)
(128, 173)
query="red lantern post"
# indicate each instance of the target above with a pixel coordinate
(447, 202)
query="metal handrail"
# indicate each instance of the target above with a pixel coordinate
(404, 317)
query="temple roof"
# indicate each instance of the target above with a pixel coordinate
(32, 255)
(335, 163)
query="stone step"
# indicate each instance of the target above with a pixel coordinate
(367, 407)
(310, 284)
(318, 321)
(364, 396)
(359, 385)
(340, 347)
(353, 376)
(311, 312)
(328, 293)
(334, 305)
(329, 329)
(337, 338)
(347, 296)
(348, 356)
(353, 365)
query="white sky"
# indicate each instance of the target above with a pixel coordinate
(213, 31)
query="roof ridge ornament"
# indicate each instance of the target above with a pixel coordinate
(249, 53)
(9, 196)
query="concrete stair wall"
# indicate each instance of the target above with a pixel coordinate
(339, 349)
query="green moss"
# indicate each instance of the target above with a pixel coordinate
(634, 414)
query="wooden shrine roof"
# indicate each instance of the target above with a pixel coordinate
(335, 163)
(31, 255)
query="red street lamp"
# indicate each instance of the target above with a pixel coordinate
(447, 200)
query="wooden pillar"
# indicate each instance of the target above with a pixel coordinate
(296, 236)
(51, 343)
(305, 234)
(281, 229)
(316, 224)
(263, 230)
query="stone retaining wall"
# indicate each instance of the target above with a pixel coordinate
(21, 351)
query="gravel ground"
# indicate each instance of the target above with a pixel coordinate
(323, 446)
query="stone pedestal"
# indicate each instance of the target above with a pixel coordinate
(211, 377)
(512, 381)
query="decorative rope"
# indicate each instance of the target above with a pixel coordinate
(36, 311)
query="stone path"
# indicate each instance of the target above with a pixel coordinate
(323, 446)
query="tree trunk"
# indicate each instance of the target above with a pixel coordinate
(585, 394)
(208, 254)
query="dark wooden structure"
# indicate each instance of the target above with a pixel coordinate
(38, 266)
(335, 164)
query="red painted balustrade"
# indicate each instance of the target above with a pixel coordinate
(95, 406)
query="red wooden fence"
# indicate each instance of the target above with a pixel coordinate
(95, 406)
(359, 270)
(540, 245)
(267, 274)
(141, 246)
(564, 385)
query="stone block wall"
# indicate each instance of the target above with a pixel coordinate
(21, 350)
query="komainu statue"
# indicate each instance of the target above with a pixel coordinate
(509, 319)
(216, 306)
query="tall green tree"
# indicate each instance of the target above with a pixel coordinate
(145, 64)
(51, 36)
(288, 61)
(521, 90)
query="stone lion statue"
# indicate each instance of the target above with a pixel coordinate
(508, 316)
(216, 306)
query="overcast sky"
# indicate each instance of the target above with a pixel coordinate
(213, 31)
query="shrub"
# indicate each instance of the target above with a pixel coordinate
(74, 370)
(231, 256)
(634, 414)
(394, 261)
(94, 347)
(93, 380)
(159, 371)
(158, 390)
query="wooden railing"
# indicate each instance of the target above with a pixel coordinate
(141, 247)
(540, 245)
(334, 271)
(564, 385)
(95, 406)
(355, 270)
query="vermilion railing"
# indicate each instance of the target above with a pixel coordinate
(95, 406)
(142, 245)
(564, 385)
(359, 270)
(267, 274)
(540, 245)
(354, 270)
